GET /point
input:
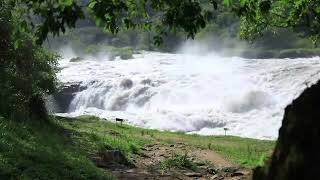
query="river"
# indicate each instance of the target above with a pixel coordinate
(201, 94)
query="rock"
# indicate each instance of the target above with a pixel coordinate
(126, 56)
(144, 155)
(211, 170)
(296, 155)
(200, 163)
(130, 171)
(229, 169)
(126, 84)
(64, 95)
(110, 157)
(146, 82)
(99, 161)
(215, 176)
(76, 59)
(238, 173)
(193, 174)
(114, 155)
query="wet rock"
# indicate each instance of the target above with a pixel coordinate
(64, 95)
(296, 155)
(76, 59)
(126, 84)
(146, 82)
(110, 157)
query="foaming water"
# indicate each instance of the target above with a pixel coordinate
(191, 93)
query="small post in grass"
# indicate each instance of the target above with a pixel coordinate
(119, 120)
(225, 131)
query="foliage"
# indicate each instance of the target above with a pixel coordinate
(163, 16)
(221, 32)
(27, 71)
(262, 15)
(124, 53)
(278, 53)
(34, 150)
(178, 161)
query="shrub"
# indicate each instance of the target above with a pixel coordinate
(178, 161)
(27, 72)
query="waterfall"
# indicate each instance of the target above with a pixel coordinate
(200, 94)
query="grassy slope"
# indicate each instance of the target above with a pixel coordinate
(102, 134)
(61, 150)
(42, 151)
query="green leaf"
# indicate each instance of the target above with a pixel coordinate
(227, 2)
(68, 2)
(92, 4)
(98, 21)
(17, 44)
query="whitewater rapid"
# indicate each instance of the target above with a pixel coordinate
(200, 94)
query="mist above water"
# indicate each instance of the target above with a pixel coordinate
(192, 92)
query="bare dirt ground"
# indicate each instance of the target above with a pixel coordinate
(210, 165)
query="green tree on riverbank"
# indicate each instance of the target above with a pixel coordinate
(27, 71)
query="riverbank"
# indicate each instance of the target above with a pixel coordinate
(90, 148)
(256, 53)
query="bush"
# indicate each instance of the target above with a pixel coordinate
(178, 161)
(124, 53)
(27, 72)
(296, 53)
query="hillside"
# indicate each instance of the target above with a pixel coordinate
(70, 148)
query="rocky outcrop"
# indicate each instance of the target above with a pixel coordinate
(65, 94)
(109, 158)
(297, 153)
(76, 59)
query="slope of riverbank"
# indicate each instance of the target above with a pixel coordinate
(90, 148)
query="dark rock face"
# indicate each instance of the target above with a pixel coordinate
(76, 59)
(126, 84)
(109, 158)
(65, 94)
(297, 153)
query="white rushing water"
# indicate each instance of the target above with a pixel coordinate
(193, 93)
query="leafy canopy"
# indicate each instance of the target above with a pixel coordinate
(259, 16)
(163, 16)
(54, 16)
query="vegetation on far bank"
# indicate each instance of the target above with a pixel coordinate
(63, 147)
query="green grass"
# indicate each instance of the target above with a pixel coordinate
(178, 161)
(62, 148)
(42, 151)
(243, 151)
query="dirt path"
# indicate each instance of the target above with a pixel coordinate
(210, 165)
